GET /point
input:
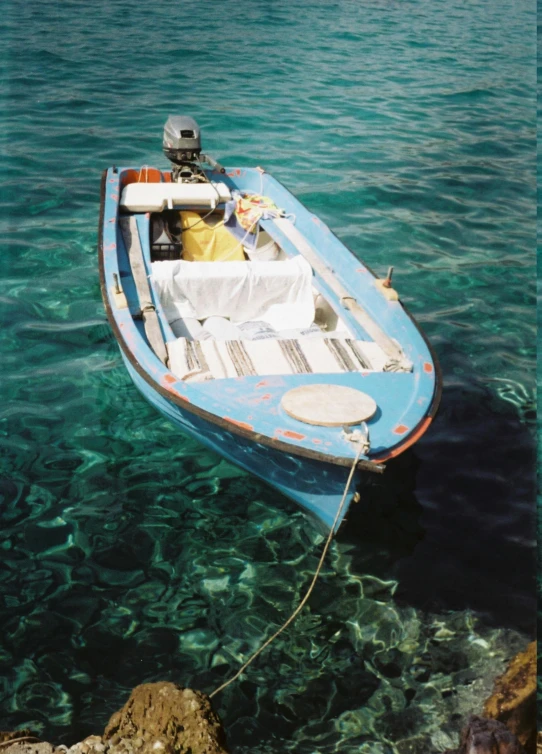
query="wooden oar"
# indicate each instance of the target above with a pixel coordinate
(128, 226)
(388, 345)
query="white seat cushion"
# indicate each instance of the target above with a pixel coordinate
(155, 197)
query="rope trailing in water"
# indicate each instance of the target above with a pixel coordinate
(29, 739)
(301, 605)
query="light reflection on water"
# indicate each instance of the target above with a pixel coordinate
(130, 553)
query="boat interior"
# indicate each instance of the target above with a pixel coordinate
(230, 300)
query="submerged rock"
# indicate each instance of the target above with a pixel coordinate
(513, 701)
(23, 742)
(11, 735)
(165, 718)
(482, 736)
(91, 745)
(158, 718)
(27, 747)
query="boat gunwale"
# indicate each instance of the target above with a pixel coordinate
(437, 393)
(185, 404)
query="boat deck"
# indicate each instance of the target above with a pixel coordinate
(251, 404)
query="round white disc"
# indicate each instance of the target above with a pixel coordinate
(328, 405)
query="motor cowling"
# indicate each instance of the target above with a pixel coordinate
(182, 139)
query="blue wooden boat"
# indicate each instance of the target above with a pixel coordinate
(244, 319)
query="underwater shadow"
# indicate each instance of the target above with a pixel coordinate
(454, 521)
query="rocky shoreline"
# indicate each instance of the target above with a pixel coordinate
(163, 718)
(158, 718)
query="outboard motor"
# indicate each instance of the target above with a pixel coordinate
(182, 147)
(182, 140)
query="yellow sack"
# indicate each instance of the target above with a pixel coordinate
(208, 240)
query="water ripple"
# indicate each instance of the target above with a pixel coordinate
(132, 554)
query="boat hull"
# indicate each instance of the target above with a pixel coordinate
(316, 486)
(242, 418)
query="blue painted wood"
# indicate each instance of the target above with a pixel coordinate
(318, 487)
(242, 418)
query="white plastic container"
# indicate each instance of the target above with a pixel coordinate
(257, 330)
(266, 249)
(220, 328)
(187, 327)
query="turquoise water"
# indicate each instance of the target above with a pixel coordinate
(130, 553)
(539, 366)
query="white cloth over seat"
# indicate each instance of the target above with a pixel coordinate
(279, 293)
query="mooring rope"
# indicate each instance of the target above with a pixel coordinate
(29, 739)
(301, 605)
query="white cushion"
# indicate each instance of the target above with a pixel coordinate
(155, 197)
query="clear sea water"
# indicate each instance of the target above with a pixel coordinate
(129, 552)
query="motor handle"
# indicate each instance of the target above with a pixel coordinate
(213, 163)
